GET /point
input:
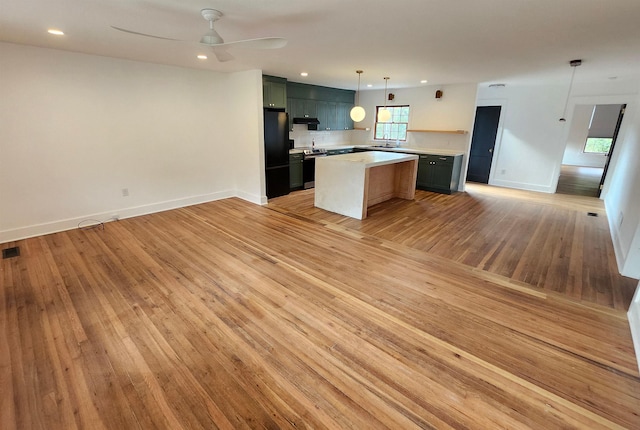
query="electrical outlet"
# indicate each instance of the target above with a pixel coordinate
(125, 192)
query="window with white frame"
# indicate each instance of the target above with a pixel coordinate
(396, 127)
(598, 145)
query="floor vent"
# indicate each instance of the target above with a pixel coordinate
(10, 252)
(592, 214)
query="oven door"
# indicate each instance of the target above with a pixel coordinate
(309, 170)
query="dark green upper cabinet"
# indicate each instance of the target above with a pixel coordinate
(301, 108)
(344, 121)
(330, 105)
(274, 92)
(327, 115)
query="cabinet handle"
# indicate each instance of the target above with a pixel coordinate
(443, 158)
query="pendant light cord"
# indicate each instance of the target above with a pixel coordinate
(359, 72)
(573, 64)
(386, 79)
(566, 101)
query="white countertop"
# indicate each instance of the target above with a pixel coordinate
(368, 159)
(402, 149)
(429, 151)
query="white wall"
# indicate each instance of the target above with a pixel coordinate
(574, 154)
(529, 147)
(247, 128)
(634, 322)
(622, 196)
(76, 129)
(454, 111)
(532, 140)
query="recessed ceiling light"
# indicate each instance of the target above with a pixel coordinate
(55, 32)
(305, 74)
(369, 85)
(202, 57)
(424, 81)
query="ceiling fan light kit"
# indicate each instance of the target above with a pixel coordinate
(357, 113)
(211, 37)
(213, 40)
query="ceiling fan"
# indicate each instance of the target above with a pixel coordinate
(212, 39)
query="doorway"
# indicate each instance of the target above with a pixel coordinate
(594, 130)
(483, 142)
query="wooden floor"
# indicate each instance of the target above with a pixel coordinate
(579, 180)
(231, 315)
(541, 240)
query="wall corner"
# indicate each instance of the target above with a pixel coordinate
(634, 322)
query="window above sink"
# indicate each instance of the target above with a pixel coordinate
(396, 128)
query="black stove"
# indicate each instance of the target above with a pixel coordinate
(309, 165)
(313, 153)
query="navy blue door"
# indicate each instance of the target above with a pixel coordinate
(483, 141)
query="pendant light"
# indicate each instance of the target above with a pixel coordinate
(384, 114)
(574, 64)
(357, 112)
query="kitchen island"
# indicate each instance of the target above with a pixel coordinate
(348, 184)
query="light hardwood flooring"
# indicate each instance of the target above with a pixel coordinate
(231, 315)
(541, 240)
(579, 180)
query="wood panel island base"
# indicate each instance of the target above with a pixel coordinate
(348, 184)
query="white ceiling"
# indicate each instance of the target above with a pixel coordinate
(444, 41)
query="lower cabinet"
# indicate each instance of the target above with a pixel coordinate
(439, 173)
(295, 171)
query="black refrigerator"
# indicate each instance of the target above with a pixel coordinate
(276, 152)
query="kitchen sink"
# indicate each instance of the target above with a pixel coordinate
(389, 148)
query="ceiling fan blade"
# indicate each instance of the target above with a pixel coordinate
(142, 34)
(261, 43)
(222, 55)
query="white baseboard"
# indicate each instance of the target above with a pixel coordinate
(251, 198)
(71, 223)
(521, 186)
(634, 322)
(618, 250)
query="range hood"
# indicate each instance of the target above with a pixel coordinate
(306, 120)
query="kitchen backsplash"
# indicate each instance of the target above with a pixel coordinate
(303, 138)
